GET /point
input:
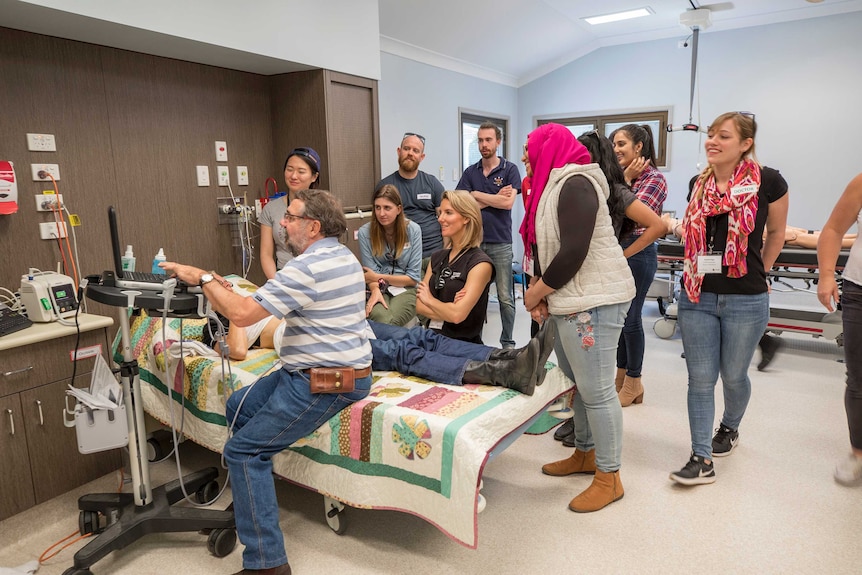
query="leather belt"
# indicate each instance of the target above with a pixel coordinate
(357, 373)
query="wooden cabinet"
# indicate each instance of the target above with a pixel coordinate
(39, 454)
(337, 115)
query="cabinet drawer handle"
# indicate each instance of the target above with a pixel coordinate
(41, 419)
(16, 371)
(11, 421)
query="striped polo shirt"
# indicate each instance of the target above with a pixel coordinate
(320, 294)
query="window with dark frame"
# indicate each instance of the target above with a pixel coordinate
(607, 123)
(469, 128)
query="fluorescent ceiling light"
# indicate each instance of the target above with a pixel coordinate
(617, 16)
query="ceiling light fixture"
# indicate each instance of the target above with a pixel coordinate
(617, 16)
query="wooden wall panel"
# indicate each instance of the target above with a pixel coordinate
(130, 129)
(298, 120)
(53, 86)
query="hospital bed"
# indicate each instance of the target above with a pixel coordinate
(411, 445)
(792, 264)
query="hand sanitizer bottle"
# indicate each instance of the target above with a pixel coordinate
(160, 257)
(128, 260)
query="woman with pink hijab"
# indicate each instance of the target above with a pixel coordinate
(582, 283)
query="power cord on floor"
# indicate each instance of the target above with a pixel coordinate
(47, 553)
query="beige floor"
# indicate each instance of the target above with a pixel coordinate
(774, 508)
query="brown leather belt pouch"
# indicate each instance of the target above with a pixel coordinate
(331, 379)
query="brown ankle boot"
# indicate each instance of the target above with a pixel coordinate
(618, 380)
(579, 462)
(632, 391)
(604, 490)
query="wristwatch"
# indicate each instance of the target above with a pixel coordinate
(205, 279)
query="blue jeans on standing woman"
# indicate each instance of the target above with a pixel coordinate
(277, 411)
(501, 256)
(851, 315)
(630, 352)
(586, 348)
(422, 352)
(719, 337)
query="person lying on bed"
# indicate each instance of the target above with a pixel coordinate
(793, 236)
(423, 353)
(320, 294)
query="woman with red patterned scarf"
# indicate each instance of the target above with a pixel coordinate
(724, 303)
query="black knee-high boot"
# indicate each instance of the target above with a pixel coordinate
(518, 373)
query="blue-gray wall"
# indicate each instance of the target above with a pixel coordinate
(802, 79)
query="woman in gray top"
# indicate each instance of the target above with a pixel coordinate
(301, 172)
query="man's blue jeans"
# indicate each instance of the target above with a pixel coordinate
(278, 410)
(501, 256)
(422, 352)
(719, 336)
(630, 354)
(586, 349)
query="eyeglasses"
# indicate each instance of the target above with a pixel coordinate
(445, 274)
(746, 114)
(292, 218)
(421, 138)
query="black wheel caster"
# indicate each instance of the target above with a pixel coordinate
(335, 515)
(155, 452)
(88, 522)
(207, 493)
(221, 542)
(76, 571)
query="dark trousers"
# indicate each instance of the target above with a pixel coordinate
(851, 305)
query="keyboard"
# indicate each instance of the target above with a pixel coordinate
(12, 321)
(144, 277)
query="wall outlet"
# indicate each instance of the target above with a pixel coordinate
(454, 174)
(203, 174)
(47, 202)
(223, 175)
(221, 151)
(442, 175)
(41, 143)
(48, 230)
(242, 175)
(53, 169)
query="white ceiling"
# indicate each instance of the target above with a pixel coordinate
(516, 41)
(510, 42)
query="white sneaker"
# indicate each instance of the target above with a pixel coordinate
(849, 470)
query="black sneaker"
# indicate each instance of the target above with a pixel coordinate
(565, 430)
(695, 472)
(724, 440)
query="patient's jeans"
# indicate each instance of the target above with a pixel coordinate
(630, 353)
(719, 336)
(586, 349)
(278, 410)
(422, 352)
(851, 313)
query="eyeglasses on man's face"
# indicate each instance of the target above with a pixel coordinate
(288, 217)
(407, 134)
(445, 274)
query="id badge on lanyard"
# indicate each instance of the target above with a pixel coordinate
(710, 262)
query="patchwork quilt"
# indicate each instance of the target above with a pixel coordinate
(412, 445)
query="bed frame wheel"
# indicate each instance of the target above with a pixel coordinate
(76, 571)
(221, 542)
(664, 328)
(207, 492)
(335, 515)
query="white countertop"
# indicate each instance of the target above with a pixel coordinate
(39, 332)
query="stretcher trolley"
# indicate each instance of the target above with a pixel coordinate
(792, 263)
